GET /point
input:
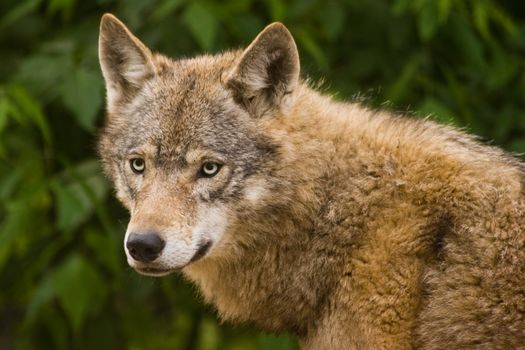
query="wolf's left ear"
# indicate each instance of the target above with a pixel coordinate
(125, 61)
(267, 71)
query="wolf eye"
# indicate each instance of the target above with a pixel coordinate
(210, 169)
(137, 165)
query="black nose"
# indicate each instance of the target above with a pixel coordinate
(144, 247)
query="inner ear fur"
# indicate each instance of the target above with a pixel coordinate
(125, 61)
(267, 70)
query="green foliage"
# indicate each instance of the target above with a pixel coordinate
(64, 280)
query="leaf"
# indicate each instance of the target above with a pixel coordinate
(444, 7)
(468, 44)
(166, 8)
(277, 9)
(78, 287)
(518, 146)
(64, 6)
(246, 26)
(400, 6)
(202, 24)
(438, 111)
(77, 192)
(9, 181)
(272, 342)
(43, 74)
(108, 251)
(332, 18)
(400, 86)
(21, 10)
(427, 21)
(299, 9)
(209, 335)
(17, 230)
(503, 19)
(82, 95)
(30, 108)
(4, 108)
(306, 41)
(481, 18)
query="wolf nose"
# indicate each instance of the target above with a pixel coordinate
(144, 247)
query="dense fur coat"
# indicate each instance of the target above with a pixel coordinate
(351, 228)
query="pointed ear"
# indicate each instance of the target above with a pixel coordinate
(267, 71)
(125, 61)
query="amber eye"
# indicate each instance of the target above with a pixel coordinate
(137, 165)
(210, 169)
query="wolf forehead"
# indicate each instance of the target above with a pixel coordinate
(186, 107)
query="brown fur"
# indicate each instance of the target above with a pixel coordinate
(366, 230)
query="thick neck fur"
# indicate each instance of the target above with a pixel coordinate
(345, 177)
(281, 277)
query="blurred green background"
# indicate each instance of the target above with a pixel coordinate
(64, 281)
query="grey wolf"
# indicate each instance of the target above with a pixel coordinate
(351, 228)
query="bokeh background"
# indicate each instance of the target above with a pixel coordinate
(64, 281)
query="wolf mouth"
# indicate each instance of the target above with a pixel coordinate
(151, 271)
(203, 249)
(158, 272)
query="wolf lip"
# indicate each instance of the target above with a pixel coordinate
(203, 249)
(153, 271)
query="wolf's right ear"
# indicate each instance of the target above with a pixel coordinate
(267, 71)
(125, 61)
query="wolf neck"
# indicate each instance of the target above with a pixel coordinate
(282, 278)
(279, 282)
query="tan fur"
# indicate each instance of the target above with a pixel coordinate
(365, 230)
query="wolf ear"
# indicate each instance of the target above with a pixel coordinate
(267, 71)
(125, 61)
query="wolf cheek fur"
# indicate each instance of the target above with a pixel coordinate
(352, 228)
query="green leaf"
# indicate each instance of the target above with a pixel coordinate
(469, 45)
(272, 342)
(299, 9)
(166, 8)
(202, 24)
(108, 251)
(444, 7)
(246, 26)
(277, 9)
(15, 229)
(332, 17)
(82, 94)
(400, 6)
(518, 146)
(43, 74)
(4, 108)
(481, 18)
(22, 9)
(400, 86)
(503, 19)
(22, 218)
(77, 192)
(30, 108)
(428, 21)
(308, 43)
(208, 335)
(78, 287)
(438, 111)
(73, 206)
(65, 7)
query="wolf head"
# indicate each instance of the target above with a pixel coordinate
(186, 142)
